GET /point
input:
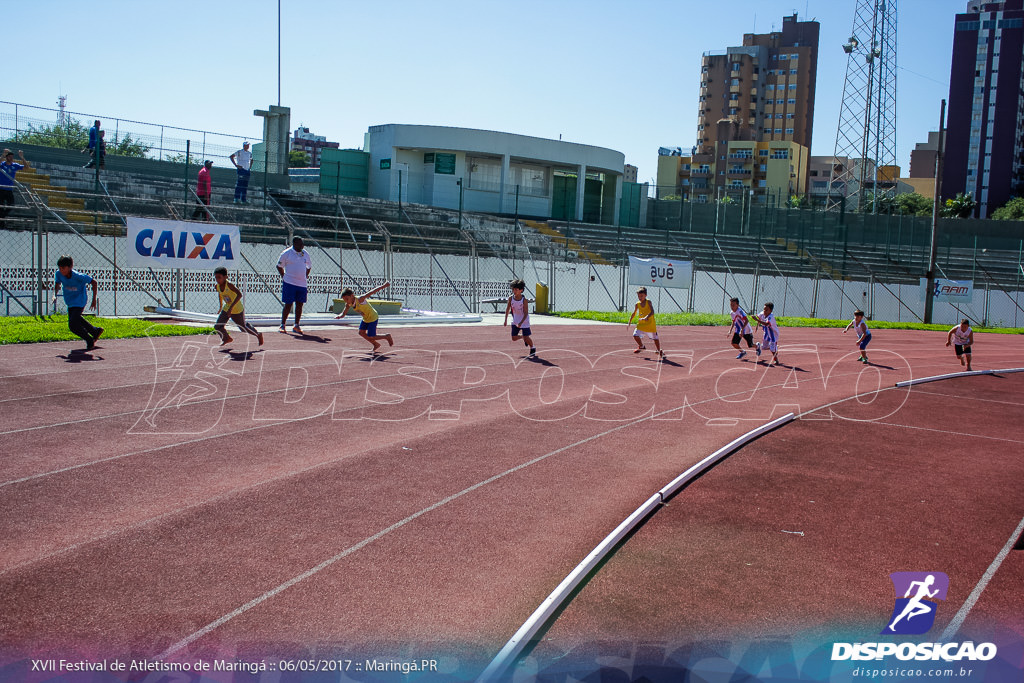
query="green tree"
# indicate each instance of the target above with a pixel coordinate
(913, 204)
(961, 206)
(1013, 210)
(886, 203)
(75, 135)
(298, 159)
(798, 202)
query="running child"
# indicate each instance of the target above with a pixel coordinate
(962, 338)
(740, 327)
(766, 319)
(863, 334)
(368, 327)
(230, 308)
(645, 324)
(75, 298)
(519, 307)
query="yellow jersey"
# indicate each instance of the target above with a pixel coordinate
(226, 295)
(368, 312)
(643, 308)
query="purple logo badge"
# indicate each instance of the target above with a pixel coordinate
(916, 606)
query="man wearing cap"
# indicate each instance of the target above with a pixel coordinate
(242, 159)
(204, 188)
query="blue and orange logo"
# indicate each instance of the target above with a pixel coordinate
(916, 606)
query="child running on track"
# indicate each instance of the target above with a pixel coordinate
(645, 324)
(766, 319)
(863, 334)
(519, 307)
(75, 298)
(740, 327)
(962, 338)
(367, 328)
(230, 308)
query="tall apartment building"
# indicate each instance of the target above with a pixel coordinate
(763, 90)
(984, 154)
(311, 144)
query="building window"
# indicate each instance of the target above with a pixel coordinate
(484, 174)
(778, 131)
(791, 100)
(789, 131)
(780, 154)
(532, 180)
(792, 86)
(789, 116)
(762, 152)
(792, 72)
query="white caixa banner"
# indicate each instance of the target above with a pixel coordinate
(953, 291)
(660, 272)
(156, 243)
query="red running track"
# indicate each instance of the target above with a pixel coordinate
(166, 499)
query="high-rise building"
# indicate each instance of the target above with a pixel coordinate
(984, 154)
(762, 91)
(311, 144)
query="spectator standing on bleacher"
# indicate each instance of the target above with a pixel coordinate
(8, 170)
(94, 144)
(242, 159)
(204, 189)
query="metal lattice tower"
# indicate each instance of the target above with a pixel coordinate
(866, 135)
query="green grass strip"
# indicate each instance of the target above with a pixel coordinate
(715, 319)
(28, 329)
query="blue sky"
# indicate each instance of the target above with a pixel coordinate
(622, 75)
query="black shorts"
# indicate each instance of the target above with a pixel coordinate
(748, 337)
(961, 350)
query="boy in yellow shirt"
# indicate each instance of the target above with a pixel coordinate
(230, 308)
(645, 324)
(368, 327)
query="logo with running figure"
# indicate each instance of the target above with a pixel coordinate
(916, 606)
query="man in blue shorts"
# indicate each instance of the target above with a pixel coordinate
(294, 266)
(76, 297)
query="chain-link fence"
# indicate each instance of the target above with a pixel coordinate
(452, 260)
(28, 125)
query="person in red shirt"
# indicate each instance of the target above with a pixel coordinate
(204, 188)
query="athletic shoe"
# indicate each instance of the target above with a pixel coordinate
(661, 352)
(533, 351)
(296, 329)
(642, 348)
(741, 354)
(90, 345)
(282, 330)
(99, 331)
(758, 348)
(865, 360)
(227, 341)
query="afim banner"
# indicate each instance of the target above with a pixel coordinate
(660, 272)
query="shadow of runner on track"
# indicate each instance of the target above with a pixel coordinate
(240, 355)
(79, 356)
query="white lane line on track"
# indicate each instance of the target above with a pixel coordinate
(947, 431)
(972, 599)
(278, 423)
(184, 642)
(961, 397)
(258, 484)
(246, 429)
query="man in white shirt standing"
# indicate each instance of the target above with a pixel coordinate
(242, 159)
(294, 266)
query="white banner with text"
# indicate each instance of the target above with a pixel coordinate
(157, 243)
(660, 272)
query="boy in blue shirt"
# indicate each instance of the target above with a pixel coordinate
(8, 170)
(76, 297)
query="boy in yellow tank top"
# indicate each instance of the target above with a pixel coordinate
(368, 327)
(645, 324)
(230, 308)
